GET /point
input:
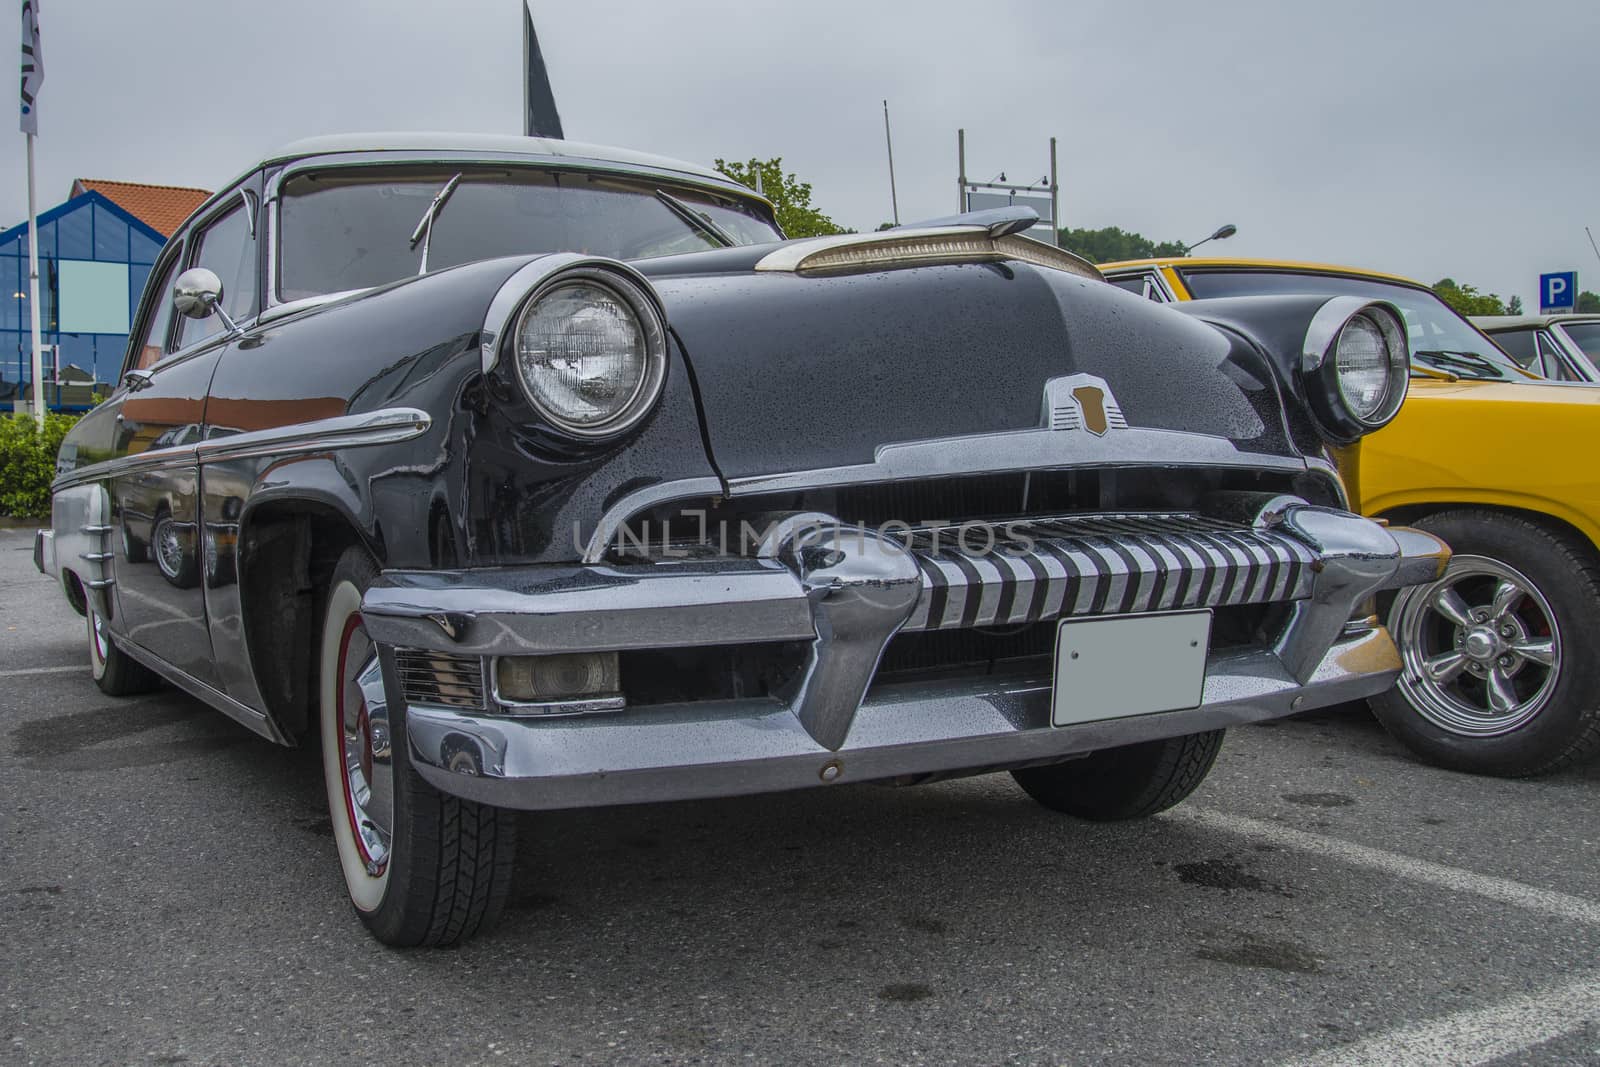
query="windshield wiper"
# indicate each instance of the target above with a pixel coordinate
(424, 230)
(1470, 361)
(704, 225)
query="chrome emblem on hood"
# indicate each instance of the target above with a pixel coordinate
(1082, 402)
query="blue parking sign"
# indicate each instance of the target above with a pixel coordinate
(1558, 292)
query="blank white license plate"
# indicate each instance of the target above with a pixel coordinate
(1129, 665)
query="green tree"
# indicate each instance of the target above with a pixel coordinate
(1112, 243)
(28, 462)
(789, 195)
(1467, 300)
(1514, 306)
(1588, 303)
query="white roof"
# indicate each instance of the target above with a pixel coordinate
(413, 143)
(1506, 322)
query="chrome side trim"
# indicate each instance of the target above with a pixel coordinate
(1020, 450)
(385, 426)
(618, 514)
(152, 460)
(246, 716)
(343, 431)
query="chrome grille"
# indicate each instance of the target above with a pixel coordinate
(1099, 565)
(440, 678)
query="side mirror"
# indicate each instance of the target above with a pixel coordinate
(197, 293)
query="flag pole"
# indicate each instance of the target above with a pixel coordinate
(33, 295)
(894, 197)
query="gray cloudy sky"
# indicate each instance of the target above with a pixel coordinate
(1425, 138)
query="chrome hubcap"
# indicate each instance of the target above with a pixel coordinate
(1481, 646)
(364, 733)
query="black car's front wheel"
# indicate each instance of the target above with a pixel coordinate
(1130, 782)
(1497, 677)
(421, 867)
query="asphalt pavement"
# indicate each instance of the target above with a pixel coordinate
(169, 895)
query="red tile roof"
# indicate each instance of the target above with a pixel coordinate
(161, 207)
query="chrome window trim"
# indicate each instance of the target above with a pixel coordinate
(1156, 289)
(1573, 358)
(384, 426)
(272, 195)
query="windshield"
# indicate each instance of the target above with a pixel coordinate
(351, 228)
(1440, 338)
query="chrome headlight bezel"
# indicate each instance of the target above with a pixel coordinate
(522, 293)
(652, 331)
(1324, 375)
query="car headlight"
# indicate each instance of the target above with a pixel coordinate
(1357, 365)
(590, 351)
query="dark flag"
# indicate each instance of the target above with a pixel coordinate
(541, 119)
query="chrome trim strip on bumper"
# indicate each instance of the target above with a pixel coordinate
(44, 552)
(845, 593)
(730, 748)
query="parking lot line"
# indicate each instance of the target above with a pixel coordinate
(1504, 890)
(40, 670)
(1477, 1036)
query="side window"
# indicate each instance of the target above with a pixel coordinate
(153, 339)
(1554, 367)
(227, 248)
(1144, 285)
(1518, 344)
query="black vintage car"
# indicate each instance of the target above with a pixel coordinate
(533, 475)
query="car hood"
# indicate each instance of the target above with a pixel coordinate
(798, 372)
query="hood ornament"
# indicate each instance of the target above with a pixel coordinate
(1082, 402)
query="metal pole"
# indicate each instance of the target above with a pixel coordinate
(33, 295)
(1055, 199)
(1591, 245)
(961, 180)
(894, 198)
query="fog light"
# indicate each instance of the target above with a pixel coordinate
(571, 683)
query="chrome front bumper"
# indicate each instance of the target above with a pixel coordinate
(844, 594)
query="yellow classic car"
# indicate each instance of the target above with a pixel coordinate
(1497, 678)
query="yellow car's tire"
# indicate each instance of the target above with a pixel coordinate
(1498, 674)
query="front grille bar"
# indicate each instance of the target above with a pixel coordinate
(1024, 572)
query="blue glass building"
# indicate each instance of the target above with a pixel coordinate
(94, 258)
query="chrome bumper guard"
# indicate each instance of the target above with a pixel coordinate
(845, 593)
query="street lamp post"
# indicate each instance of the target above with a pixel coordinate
(1222, 233)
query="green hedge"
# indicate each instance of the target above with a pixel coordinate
(28, 463)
